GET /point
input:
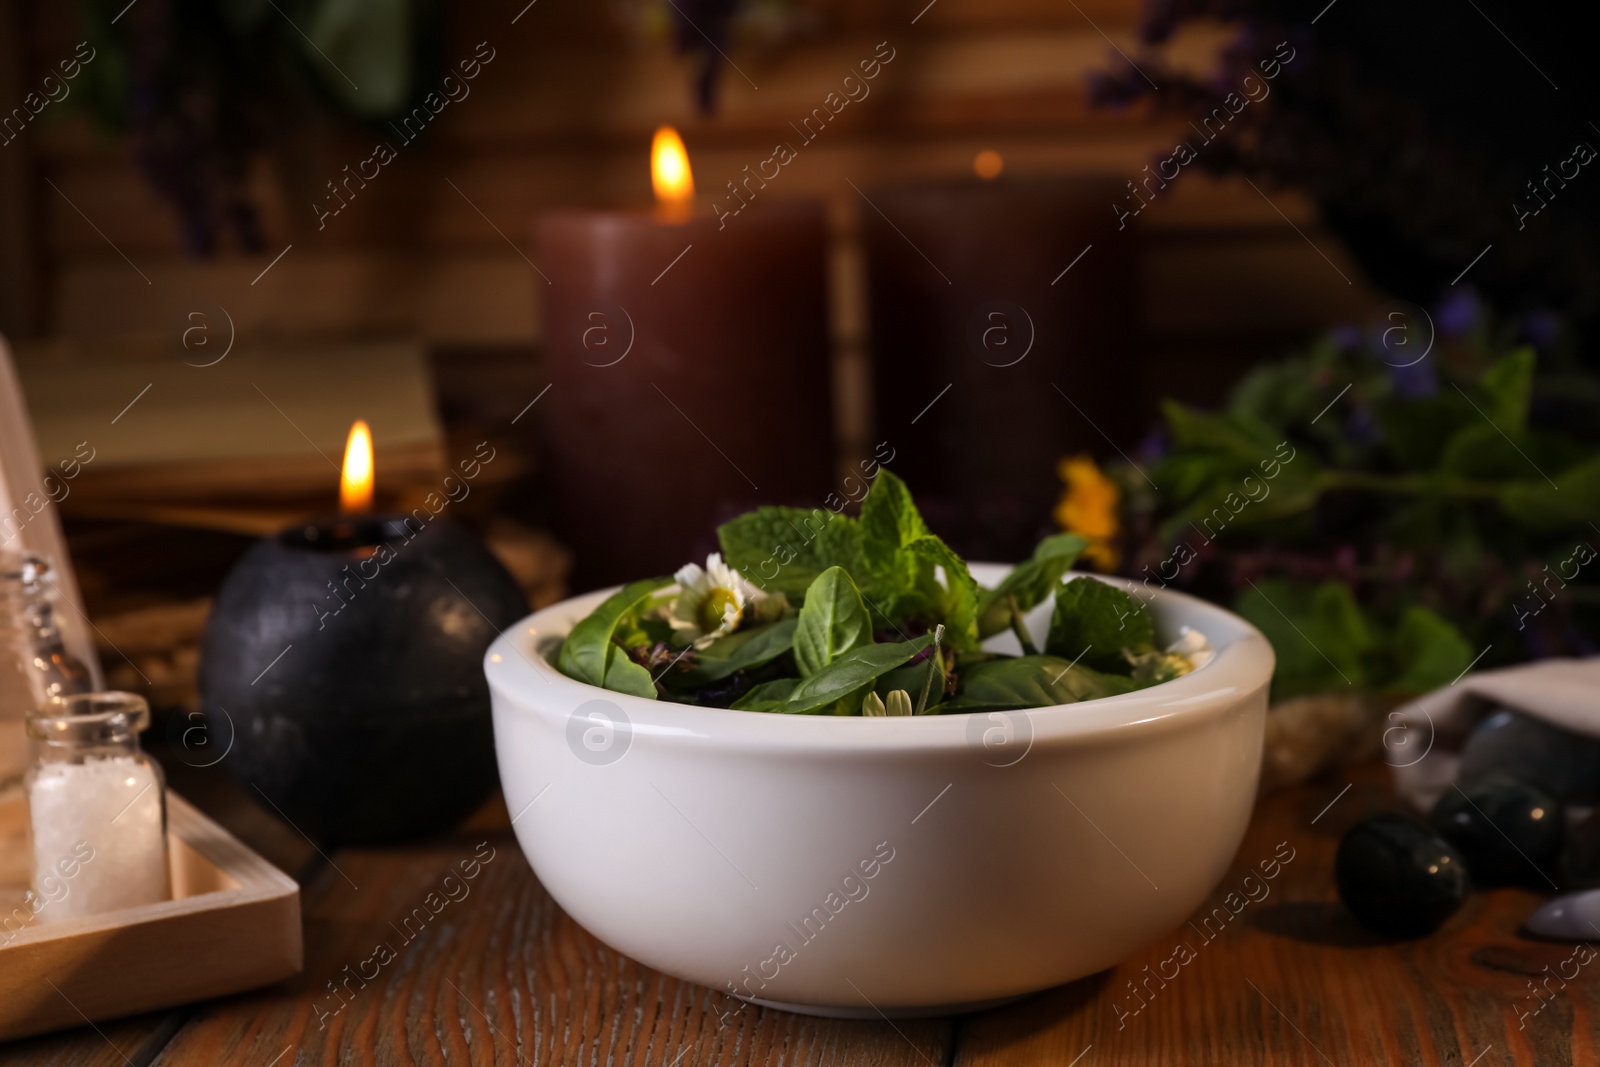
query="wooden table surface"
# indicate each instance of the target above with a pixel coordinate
(503, 976)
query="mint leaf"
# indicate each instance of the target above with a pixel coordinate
(1482, 451)
(1318, 632)
(1537, 505)
(1030, 582)
(889, 522)
(1033, 682)
(1509, 383)
(1430, 652)
(584, 654)
(1097, 622)
(850, 673)
(956, 601)
(740, 651)
(832, 622)
(784, 549)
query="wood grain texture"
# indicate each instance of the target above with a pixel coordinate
(1293, 980)
(502, 976)
(233, 922)
(134, 1041)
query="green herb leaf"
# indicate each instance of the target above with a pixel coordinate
(851, 674)
(784, 549)
(625, 676)
(1033, 682)
(889, 522)
(912, 677)
(1429, 651)
(740, 651)
(1509, 383)
(1102, 619)
(768, 696)
(832, 622)
(584, 654)
(1318, 632)
(956, 601)
(1030, 582)
(1537, 505)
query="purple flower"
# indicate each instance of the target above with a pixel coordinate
(1459, 313)
(1156, 443)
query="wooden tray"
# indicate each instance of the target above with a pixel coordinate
(233, 923)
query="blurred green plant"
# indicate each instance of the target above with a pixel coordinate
(1436, 510)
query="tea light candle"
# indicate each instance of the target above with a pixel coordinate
(97, 808)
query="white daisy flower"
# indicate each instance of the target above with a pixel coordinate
(713, 601)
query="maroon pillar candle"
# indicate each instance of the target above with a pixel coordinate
(967, 290)
(689, 369)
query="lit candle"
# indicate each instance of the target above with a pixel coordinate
(341, 667)
(690, 370)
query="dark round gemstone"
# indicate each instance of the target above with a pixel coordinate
(1564, 763)
(1398, 877)
(1509, 830)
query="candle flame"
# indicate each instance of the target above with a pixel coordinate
(670, 175)
(355, 480)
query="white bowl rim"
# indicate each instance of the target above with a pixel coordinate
(1243, 664)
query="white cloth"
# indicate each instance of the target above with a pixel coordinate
(1563, 692)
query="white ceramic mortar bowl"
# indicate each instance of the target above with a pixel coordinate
(1027, 848)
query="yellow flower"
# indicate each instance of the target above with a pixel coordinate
(1088, 508)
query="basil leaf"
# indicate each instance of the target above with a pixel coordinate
(768, 696)
(1031, 582)
(850, 673)
(784, 549)
(625, 676)
(1032, 682)
(584, 655)
(832, 622)
(740, 651)
(1095, 622)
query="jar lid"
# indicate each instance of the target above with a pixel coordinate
(89, 718)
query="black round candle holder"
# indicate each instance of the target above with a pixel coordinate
(346, 655)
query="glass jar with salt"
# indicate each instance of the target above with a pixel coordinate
(96, 803)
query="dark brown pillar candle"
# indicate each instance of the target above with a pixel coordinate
(689, 369)
(968, 291)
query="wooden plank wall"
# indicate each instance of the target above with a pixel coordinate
(563, 116)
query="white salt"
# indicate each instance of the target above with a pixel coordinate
(113, 806)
